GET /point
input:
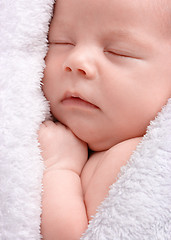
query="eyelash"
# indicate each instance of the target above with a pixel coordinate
(60, 43)
(118, 54)
(122, 55)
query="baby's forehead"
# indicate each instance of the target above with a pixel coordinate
(148, 10)
(161, 9)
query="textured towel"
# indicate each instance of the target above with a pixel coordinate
(23, 31)
(138, 204)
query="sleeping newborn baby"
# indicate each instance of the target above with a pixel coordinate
(107, 76)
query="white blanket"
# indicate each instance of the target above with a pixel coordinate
(138, 206)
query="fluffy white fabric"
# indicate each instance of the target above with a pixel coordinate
(138, 205)
(23, 31)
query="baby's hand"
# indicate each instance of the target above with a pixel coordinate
(61, 148)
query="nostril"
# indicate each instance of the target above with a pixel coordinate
(82, 71)
(79, 70)
(68, 69)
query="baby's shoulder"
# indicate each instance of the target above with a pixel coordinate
(124, 148)
(114, 158)
(105, 166)
(120, 152)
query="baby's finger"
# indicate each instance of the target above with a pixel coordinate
(41, 130)
(48, 123)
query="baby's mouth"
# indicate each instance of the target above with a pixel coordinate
(75, 100)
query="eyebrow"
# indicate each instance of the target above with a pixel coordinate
(134, 38)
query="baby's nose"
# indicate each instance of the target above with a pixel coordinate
(82, 63)
(80, 71)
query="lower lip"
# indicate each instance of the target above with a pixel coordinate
(78, 102)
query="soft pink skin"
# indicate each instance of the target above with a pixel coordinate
(108, 73)
(63, 210)
(129, 90)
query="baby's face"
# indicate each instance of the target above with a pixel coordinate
(108, 68)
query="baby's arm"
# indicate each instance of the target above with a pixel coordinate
(63, 210)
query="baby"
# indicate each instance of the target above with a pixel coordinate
(108, 74)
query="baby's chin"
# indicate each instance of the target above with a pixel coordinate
(99, 143)
(96, 140)
(93, 144)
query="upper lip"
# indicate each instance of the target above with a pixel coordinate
(74, 94)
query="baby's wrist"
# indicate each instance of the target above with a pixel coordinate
(57, 163)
